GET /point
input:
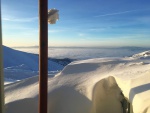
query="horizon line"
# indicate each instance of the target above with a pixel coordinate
(79, 46)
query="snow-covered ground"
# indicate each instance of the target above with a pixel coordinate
(88, 86)
(20, 65)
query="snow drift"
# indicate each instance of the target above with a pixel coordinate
(87, 86)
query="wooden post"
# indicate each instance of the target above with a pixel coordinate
(1, 69)
(43, 55)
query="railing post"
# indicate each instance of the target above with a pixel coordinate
(43, 55)
(2, 110)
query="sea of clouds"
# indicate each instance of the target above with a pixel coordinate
(80, 53)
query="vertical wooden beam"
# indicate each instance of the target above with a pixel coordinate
(43, 55)
(1, 69)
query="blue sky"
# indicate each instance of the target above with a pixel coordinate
(87, 23)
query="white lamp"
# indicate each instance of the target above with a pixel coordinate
(53, 16)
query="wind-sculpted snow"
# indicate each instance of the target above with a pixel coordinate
(87, 86)
(107, 97)
(142, 55)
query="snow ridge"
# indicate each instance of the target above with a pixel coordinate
(87, 86)
(142, 54)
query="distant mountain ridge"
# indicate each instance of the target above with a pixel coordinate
(15, 58)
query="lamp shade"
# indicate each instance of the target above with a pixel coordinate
(53, 16)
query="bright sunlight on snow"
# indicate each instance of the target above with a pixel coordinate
(87, 86)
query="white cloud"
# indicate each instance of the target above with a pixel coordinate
(117, 13)
(82, 34)
(19, 19)
(98, 29)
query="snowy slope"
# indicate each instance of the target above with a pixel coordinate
(87, 86)
(144, 54)
(20, 65)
